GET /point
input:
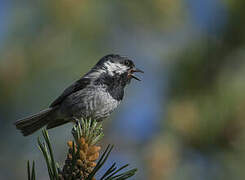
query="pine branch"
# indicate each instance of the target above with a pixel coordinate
(82, 155)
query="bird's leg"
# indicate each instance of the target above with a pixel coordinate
(74, 131)
(75, 120)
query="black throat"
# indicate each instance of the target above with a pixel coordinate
(114, 84)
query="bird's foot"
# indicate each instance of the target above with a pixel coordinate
(75, 120)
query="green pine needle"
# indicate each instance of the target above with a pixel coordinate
(47, 151)
(74, 156)
(89, 129)
(31, 173)
(101, 161)
(28, 170)
(111, 173)
(124, 175)
(92, 132)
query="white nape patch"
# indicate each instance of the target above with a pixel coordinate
(95, 74)
(115, 67)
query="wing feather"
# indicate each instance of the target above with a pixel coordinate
(78, 85)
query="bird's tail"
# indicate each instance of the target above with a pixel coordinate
(32, 123)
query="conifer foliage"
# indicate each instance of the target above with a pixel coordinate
(83, 158)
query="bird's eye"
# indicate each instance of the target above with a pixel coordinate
(127, 63)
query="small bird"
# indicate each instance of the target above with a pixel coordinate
(94, 96)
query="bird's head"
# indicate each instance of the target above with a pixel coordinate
(118, 66)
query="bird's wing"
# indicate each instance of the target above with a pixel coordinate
(78, 85)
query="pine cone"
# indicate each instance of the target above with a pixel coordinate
(85, 157)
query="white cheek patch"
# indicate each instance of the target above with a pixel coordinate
(115, 68)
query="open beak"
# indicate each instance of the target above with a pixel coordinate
(132, 71)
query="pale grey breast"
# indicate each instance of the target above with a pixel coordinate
(90, 102)
(104, 104)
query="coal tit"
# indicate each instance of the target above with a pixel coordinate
(93, 96)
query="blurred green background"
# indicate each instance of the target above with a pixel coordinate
(184, 121)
